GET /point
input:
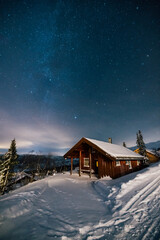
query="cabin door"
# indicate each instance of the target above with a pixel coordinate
(96, 166)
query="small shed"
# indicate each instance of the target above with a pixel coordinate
(151, 155)
(103, 158)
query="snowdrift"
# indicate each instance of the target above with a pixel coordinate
(69, 207)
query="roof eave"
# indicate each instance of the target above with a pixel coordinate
(129, 158)
(67, 154)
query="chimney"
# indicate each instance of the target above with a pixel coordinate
(110, 140)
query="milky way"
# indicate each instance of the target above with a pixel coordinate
(70, 69)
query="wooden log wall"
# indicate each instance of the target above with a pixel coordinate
(152, 158)
(124, 169)
(107, 167)
(104, 167)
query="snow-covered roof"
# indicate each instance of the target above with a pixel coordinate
(22, 175)
(151, 151)
(116, 151)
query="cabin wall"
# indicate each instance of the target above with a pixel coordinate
(152, 158)
(123, 169)
(107, 167)
(104, 167)
(85, 154)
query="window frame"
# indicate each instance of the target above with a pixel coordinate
(84, 162)
(138, 162)
(118, 163)
(130, 165)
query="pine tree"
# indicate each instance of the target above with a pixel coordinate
(7, 165)
(140, 144)
(124, 144)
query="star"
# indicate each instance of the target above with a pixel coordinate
(89, 65)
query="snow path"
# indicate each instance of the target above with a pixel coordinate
(135, 207)
(68, 207)
(50, 208)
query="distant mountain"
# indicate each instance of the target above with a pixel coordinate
(33, 152)
(150, 145)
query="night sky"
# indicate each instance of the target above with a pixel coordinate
(72, 69)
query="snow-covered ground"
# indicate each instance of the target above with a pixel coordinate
(71, 207)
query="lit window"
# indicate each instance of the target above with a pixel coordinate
(86, 162)
(130, 165)
(118, 163)
(138, 162)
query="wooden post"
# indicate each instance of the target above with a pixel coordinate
(113, 163)
(99, 167)
(71, 165)
(90, 162)
(80, 159)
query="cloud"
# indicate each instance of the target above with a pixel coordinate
(34, 134)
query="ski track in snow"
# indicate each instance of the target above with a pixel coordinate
(136, 218)
(68, 207)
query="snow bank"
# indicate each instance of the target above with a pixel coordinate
(68, 207)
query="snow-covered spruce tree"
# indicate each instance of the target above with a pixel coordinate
(140, 144)
(6, 166)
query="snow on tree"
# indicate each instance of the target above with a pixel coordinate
(7, 165)
(140, 144)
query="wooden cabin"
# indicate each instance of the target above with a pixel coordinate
(103, 158)
(153, 157)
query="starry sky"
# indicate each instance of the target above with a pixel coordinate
(78, 68)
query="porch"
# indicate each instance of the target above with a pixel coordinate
(88, 163)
